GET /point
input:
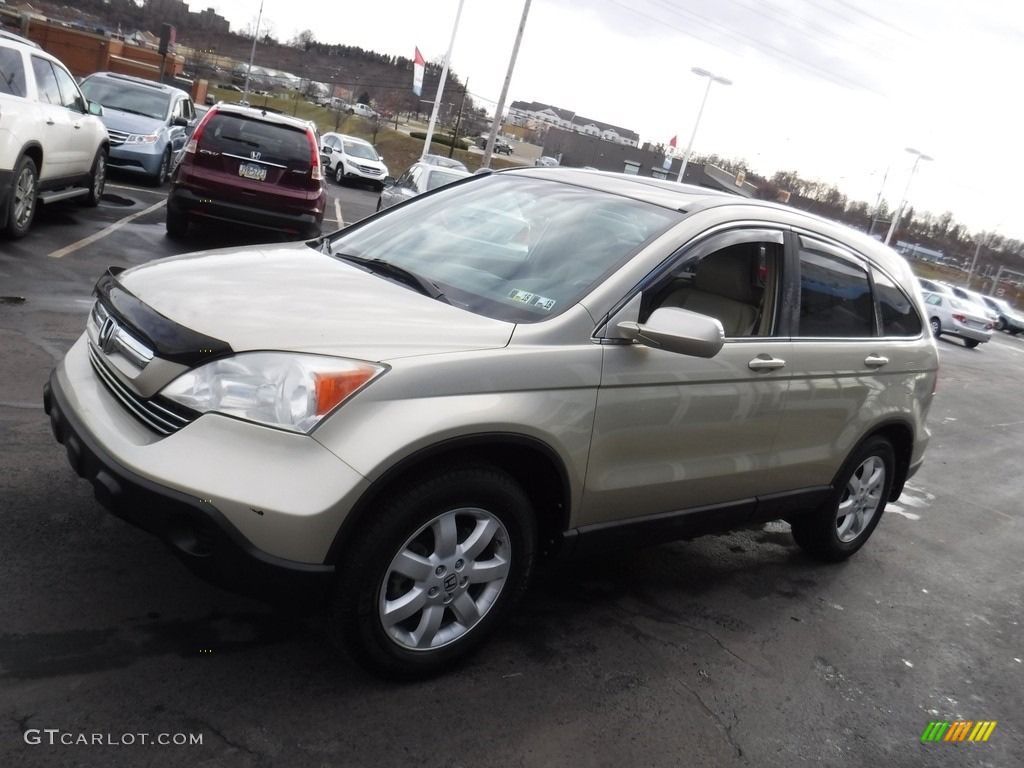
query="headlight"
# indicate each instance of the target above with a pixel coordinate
(290, 391)
(138, 138)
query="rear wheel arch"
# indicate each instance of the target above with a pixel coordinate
(901, 437)
(530, 462)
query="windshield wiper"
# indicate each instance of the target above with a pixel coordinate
(381, 267)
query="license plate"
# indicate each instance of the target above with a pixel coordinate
(252, 171)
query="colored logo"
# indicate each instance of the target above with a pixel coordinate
(958, 730)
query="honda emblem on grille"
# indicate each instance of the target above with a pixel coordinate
(108, 335)
(254, 155)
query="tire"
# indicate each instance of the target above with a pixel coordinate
(339, 173)
(97, 179)
(164, 171)
(23, 200)
(971, 343)
(847, 518)
(406, 604)
(1000, 324)
(177, 224)
(936, 327)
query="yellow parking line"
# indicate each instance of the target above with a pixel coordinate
(104, 232)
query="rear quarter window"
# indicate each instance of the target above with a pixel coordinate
(898, 314)
(12, 73)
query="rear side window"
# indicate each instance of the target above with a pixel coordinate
(256, 140)
(835, 294)
(897, 312)
(12, 73)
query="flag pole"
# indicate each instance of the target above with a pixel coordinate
(440, 86)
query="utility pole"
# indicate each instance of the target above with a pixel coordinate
(458, 119)
(499, 110)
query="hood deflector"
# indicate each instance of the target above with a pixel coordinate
(166, 338)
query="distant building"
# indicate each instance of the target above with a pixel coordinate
(539, 117)
(915, 251)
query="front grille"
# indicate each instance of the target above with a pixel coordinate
(161, 418)
(117, 138)
(369, 170)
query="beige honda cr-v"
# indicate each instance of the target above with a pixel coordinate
(400, 420)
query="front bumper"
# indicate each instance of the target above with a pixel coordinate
(144, 159)
(255, 513)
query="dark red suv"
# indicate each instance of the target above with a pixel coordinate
(250, 166)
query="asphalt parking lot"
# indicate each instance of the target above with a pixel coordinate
(732, 650)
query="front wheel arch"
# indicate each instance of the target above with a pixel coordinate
(532, 463)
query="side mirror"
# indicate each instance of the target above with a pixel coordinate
(389, 181)
(179, 121)
(677, 330)
(95, 108)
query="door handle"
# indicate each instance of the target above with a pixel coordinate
(766, 363)
(875, 361)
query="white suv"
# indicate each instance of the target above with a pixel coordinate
(53, 145)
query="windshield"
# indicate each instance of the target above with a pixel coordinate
(127, 98)
(358, 149)
(509, 247)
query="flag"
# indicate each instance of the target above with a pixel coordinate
(417, 73)
(668, 155)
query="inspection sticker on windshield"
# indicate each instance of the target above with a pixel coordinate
(532, 299)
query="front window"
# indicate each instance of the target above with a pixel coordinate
(509, 247)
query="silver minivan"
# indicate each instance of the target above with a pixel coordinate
(401, 420)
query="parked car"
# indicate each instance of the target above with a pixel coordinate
(402, 421)
(948, 314)
(977, 300)
(420, 177)
(445, 162)
(249, 166)
(1007, 318)
(934, 286)
(502, 147)
(353, 159)
(363, 110)
(546, 161)
(148, 122)
(53, 144)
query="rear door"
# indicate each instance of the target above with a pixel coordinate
(856, 359)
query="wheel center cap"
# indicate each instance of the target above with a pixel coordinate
(451, 581)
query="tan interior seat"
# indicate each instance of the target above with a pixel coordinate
(722, 288)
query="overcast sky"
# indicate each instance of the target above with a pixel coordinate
(832, 89)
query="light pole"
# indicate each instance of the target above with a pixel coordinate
(252, 55)
(712, 78)
(899, 211)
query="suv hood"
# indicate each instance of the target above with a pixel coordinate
(294, 298)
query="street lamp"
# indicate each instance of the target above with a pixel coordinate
(899, 211)
(712, 78)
